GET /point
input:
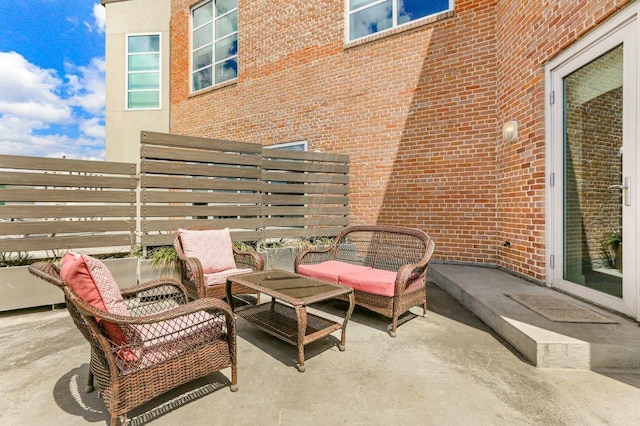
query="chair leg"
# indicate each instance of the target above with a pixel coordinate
(89, 387)
(393, 326)
(424, 304)
(234, 378)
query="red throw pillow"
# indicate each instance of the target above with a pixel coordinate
(92, 281)
(213, 247)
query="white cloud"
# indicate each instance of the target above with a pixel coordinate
(40, 113)
(93, 128)
(99, 17)
(86, 86)
(24, 86)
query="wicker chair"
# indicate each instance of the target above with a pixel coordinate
(404, 251)
(193, 277)
(176, 341)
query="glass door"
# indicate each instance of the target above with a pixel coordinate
(594, 163)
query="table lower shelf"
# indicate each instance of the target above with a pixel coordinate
(281, 321)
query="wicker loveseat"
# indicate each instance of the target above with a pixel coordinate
(385, 265)
(163, 341)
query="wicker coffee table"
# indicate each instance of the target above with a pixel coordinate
(286, 316)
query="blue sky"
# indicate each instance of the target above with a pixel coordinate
(52, 78)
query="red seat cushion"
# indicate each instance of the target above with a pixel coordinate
(374, 281)
(160, 341)
(331, 270)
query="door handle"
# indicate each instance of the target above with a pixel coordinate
(626, 188)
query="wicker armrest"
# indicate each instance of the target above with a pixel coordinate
(154, 284)
(158, 315)
(192, 275)
(315, 255)
(250, 259)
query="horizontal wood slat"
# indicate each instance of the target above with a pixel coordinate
(305, 167)
(291, 211)
(304, 155)
(304, 177)
(63, 243)
(66, 195)
(166, 167)
(67, 180)
(183, 182)
(65, 165)
(76, 211)
(177, 223)
(301, 233)
(306, 221)
(198, 155)
(65, 226)
(181, 211)
(164, 139)
(289, 200)
(294, 188)
(153, 240)
(199, 197)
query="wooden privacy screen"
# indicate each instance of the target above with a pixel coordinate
(305, 194)
(58, 204)
(257, 193)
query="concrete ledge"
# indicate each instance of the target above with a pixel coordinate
(545, 343)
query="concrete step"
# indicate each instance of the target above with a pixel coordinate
(547, 344)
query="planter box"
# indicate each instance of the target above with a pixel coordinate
(279, 258)
(19, 289)
(148, 272)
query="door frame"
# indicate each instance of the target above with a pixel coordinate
(593, 45)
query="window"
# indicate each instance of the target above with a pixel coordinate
(143, 71)
(214, 43)
(366, 17)
(291, 146)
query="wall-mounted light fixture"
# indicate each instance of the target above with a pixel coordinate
(510, 131)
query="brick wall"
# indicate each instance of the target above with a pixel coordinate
(415, 111)
(419, 112)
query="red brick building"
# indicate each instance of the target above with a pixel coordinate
(419, 102)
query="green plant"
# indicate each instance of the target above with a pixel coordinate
(614, 239)
(609, 248)
(115, 255)
(55, 256)
(163, 256)
(298, 243)
(21, 258)
(245, 245)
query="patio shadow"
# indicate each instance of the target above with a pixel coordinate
(70, 396)
(282, 351)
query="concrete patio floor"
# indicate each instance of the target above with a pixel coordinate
(447, 368)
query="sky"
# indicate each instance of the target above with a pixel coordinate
(52, 89)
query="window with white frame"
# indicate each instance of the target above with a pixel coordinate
(143, 71)
(366, 17)
(214, 43)
(291, 146)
